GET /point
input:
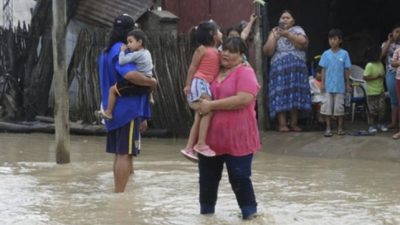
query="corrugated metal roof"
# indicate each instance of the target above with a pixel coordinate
(102, 12)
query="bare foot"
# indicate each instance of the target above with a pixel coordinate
(283, 129)
(295, 128)
(396, 136)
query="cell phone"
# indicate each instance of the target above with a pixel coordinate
(281, 25)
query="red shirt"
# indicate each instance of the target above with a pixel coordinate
(235, 132)
(209, 65)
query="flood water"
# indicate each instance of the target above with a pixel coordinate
(290, 190)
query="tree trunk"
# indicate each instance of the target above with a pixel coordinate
(61, 109)
(259, 71)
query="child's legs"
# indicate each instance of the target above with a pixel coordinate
(381, 108)
(373, 105)
(112, 97)
(338, 109)
(328, 122)
(203, 128)
(200, 89)
(340, 122)
(194, 131)
(327, 109)
(204, 124)
(151, 94)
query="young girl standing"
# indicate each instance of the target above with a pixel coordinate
(374, 75)
(202, 70)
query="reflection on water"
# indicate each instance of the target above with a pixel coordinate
(164, 188)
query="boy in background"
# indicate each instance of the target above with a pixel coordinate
(335, 63)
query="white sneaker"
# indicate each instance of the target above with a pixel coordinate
(382, 127)
(372, 129)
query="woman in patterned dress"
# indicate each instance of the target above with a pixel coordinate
(289, 91)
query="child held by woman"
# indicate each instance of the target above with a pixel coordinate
(202, 70)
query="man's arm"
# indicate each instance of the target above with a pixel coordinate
(140, 79)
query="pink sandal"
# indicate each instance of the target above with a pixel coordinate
(190, 154)
(204, 150)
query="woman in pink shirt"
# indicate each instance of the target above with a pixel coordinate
(233, 132)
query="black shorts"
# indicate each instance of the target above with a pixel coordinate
(126, 88)
(125, 140)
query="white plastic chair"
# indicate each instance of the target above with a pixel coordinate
(359, 90)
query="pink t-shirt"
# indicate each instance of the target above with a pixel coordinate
(396, 57)
(209, 65)
(235, 132)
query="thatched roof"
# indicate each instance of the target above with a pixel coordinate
(102, 12)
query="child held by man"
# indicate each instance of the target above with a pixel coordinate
(138, 54)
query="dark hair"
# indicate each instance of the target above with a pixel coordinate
(290, 12)
(122, 25)
(318, 69)
(204, 33)
(235, 45)
(335, 33)
(237, 29)
(373, 54)
(139, 35)
(397, 25)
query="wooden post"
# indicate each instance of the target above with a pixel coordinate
(61, 108)
(259, 70)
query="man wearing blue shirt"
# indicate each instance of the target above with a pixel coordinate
(130, 112)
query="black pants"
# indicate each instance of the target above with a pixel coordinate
(239, 172)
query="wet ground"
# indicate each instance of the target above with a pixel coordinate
(299, 178)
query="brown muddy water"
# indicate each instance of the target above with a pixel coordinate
(291, 190)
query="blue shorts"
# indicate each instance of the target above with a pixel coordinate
(125, 140)
(198, 89)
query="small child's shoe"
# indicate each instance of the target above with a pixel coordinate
(102, 115)
(328, 133)
(382, 127)
(204, 150)
(372, 129)
(190, 154)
